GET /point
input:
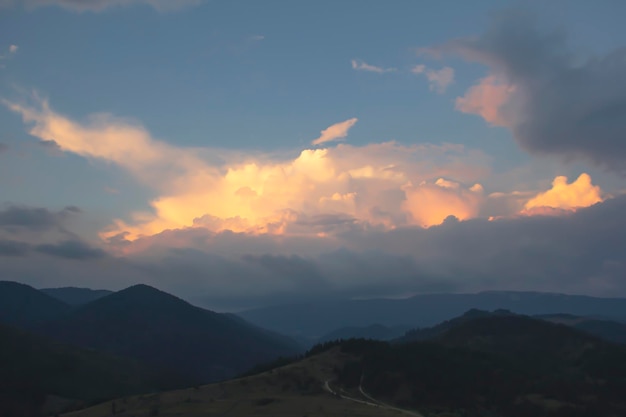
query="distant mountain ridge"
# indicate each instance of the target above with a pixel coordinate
(74, 296)
(317, 319)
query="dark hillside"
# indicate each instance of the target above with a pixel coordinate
(24, 306)
(144, 323)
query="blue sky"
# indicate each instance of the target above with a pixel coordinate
(216, 85)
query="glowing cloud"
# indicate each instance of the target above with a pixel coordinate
(487, 99)
(363, 66)
(13, 49)
(315, 192)
(429, 204)
(335, 132)
(580, 193)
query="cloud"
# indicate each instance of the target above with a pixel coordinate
(13, 49)
(257, 194)
(3, 147)
(487, 100)
(100, 5)
(335, 132)
(578, 253)
(15, 218)
(579, 193)
(438, 80)
(360, 65)
(257, 38)
(552, 100)
(431, 203)
(71, 249)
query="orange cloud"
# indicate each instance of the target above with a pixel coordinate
(487, 100)
(580, 193)
(430, 204)
(335, 132)
(308, 193)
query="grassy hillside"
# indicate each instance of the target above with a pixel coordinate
(293, 390)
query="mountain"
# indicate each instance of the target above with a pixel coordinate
(374, 331)
(144, 323)
(75, 296)
(36, 373)
(610, 330)
(315, 319)
(24, 306)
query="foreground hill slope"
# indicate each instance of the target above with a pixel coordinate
(293, 390)
(24, 306)
(34, 371)
(484, 365)
(75, 296)
(144, 323)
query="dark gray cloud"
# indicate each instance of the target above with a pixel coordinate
(3, 147)
(15, 218)
(71, 249)
(562, 104)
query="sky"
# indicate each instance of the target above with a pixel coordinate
(240, 153)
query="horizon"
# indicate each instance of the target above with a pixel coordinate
(252, 155)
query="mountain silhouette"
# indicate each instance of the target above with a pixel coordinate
(148, 324)
(24, 306)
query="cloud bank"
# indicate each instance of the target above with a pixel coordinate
(578, 253)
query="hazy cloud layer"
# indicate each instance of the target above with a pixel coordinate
(100, 5)
(553, 101)
(578, 253)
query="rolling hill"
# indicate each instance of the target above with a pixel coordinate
(144, 323)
